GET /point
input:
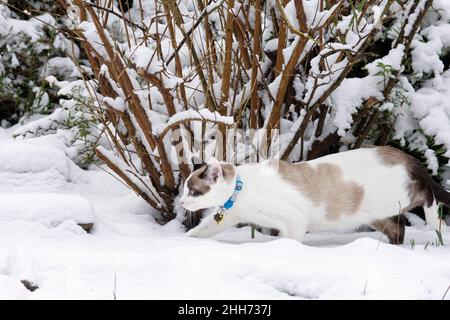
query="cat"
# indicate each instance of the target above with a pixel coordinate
(368, 186)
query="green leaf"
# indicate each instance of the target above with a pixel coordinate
(439, 235)
(361, 5)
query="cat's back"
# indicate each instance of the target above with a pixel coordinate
(348, 187)
(375, 169)
(355, 158)
(366, 159)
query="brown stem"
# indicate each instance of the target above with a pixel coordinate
(119, 71)
(155, 81)
(184, 121)
(227, 59)
(211, 103)
(323, 109)
(79, 3)
(142, 153)
(152, 202)
(254, 100)
(366, 130)
(301, 130)
(288, 72)
(243, 49)
(282, 32)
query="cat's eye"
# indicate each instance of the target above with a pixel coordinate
(194, 193)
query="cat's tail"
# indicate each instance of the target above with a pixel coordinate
(440, 194)
(431, 213)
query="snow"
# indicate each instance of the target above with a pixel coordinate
(118, 103)
(44, 196)
(35, 167)
(143, 57)
(34, 28)
(432, 161)
(91, 34)
(352, 92)
(62, 66)
(347, 101)
(49, 210)
(193, 114)
(427, 114)
(41, 242)
(151, 192)
(431, 107)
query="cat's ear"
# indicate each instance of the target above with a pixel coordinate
(214, 171)
(198, 163)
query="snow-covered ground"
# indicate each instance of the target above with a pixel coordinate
(44, 196)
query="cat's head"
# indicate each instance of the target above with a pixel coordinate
(209, 186)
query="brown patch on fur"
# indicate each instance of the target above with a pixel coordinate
(196, 183)
(324, 183)
(419, 188)
(228, 171)
(393, 228)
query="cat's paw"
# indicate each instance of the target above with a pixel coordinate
(191, 233)
(199, 233)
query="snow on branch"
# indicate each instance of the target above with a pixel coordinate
(310, 77)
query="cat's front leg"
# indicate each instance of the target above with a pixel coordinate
(288, 221)
(297, 226)
(298, 231)
(208, 227)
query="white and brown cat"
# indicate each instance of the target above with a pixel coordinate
(367, 186)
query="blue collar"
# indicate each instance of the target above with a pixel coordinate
(230, 202)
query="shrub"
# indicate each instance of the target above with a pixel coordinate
(248, 80)
(42, 74)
